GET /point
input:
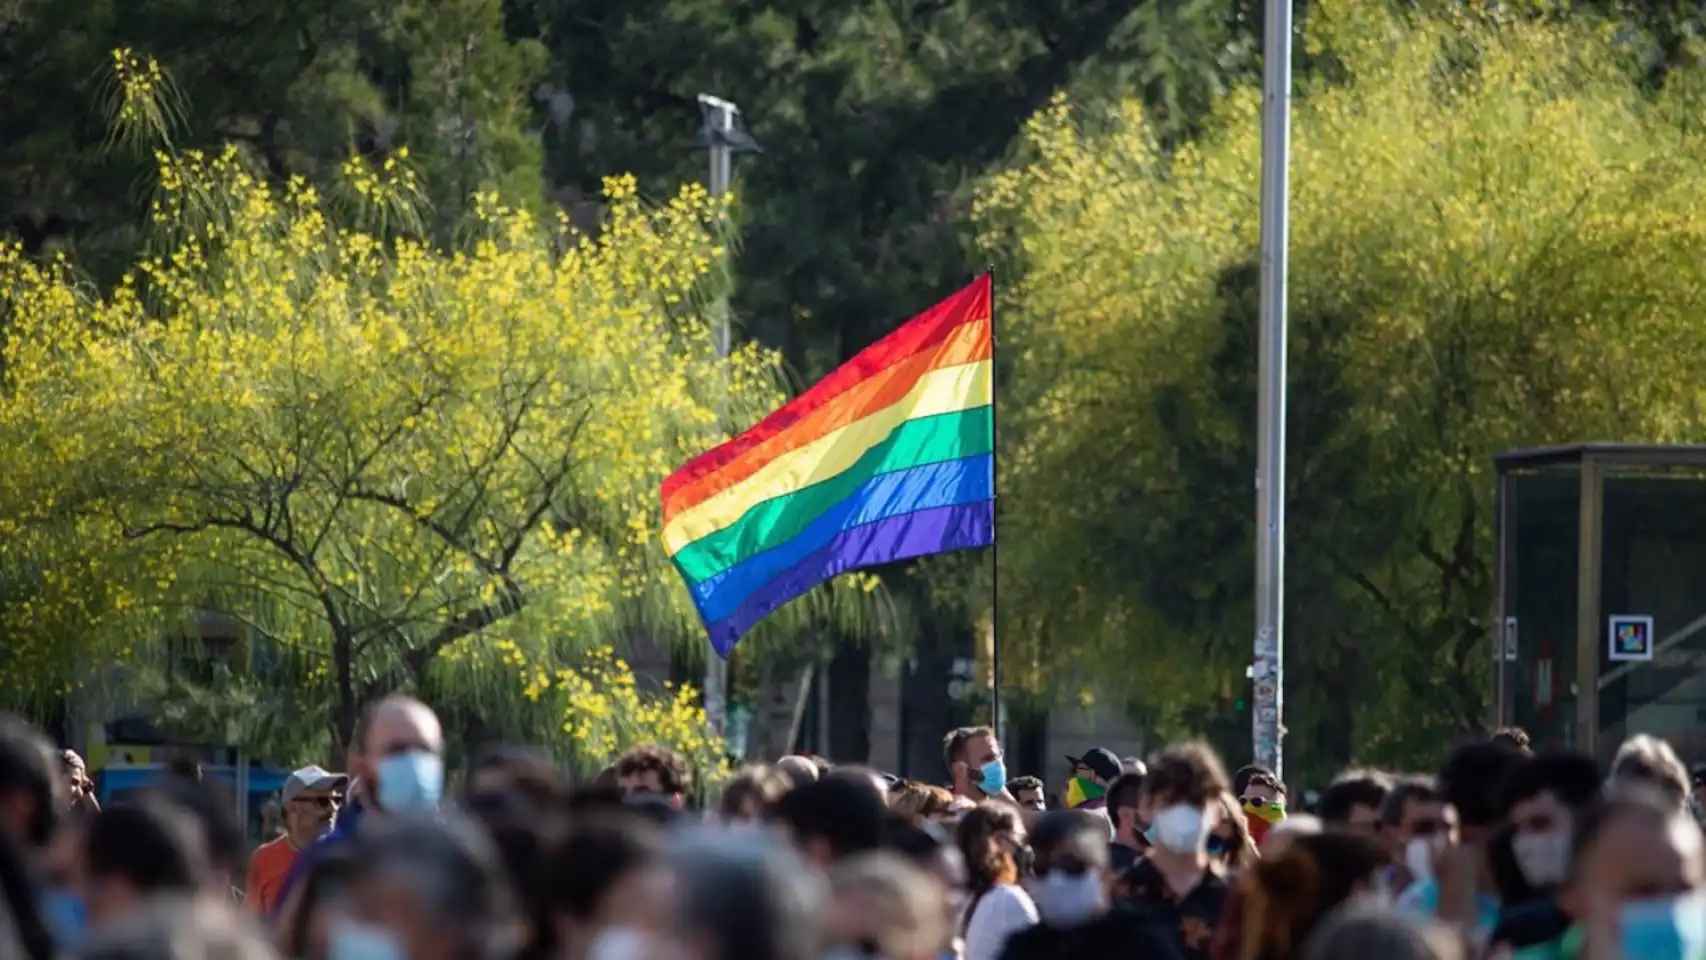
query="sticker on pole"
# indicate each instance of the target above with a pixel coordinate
(1631, 637)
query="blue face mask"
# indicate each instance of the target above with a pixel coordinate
(358, 941)
(66, 917)
(994, 777)
(1669, 928)
(411, 782)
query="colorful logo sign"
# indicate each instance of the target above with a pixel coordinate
(1631, 637)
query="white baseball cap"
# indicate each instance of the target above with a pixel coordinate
(312, 778)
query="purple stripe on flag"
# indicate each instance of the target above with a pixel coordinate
(914, 534)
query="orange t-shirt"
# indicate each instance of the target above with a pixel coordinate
(269, 865)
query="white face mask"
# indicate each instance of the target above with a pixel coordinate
(1544, 858)
(1068, 900)
(1180, 828)
(620, 943)
(1419, 857)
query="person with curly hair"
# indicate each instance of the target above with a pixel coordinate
(650, 771)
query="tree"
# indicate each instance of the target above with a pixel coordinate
(380, 456)
(300, 86)
(1492, 224)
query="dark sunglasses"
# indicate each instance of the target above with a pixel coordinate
(321, 802)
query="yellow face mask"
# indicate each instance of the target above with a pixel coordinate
(1081, 790)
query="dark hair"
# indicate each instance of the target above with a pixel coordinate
(27, 765)
(1024, 783)
(328, 881)
(1352, 790)
(745, 897)
(976, 829)
(20, 903)
(524, 833)
(844, 811)
(209, 806)
(1514, 737)
(1471, 778)
(1292, 892)
(672, 771)
(918, 840)
(1573, 777)
(1125, 791)
(1405, 792)
(153, 845)
(594, 855)
(757, 783)
(529, 770)
(453, 869)
(955, 743)
(1080, 829)
(1189, 771)
(1257, 774)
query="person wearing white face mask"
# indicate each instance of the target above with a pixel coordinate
(1544, 798)
(1073, 892)
(1174, 884)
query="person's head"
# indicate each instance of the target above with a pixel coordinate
(918, 799)
(211, 808)
(133, 851)
(76, 772)
(1124, 800)
(31, 785)
(1098, 765)
(931, 849)
(1254, 781)
(515, 769)
(428, 888)
(1542, 796)
(607, 880)
(1029, 792)
(741, 897)
(1230, 846)
(973, 759)
(1286, 832)
(401, 755)
(833, 818)
(991, 838)
(799, 770)
(1359, 930)
(751, 793)
(1515, 738)
(174, 928)
(1632, 847)
(1072, 880)
(652, 771)
(881, 905)
(1412, 809)
(1183, 781)
(1292, 892)
(1647, 760)
(1352, 803)
(1470, 782)
(311, 799)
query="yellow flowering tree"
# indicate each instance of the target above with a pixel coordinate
(373, 453)
(1496, 236)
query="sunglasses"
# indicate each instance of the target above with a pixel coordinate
(323, 803)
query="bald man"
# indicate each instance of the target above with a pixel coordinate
(397, 758)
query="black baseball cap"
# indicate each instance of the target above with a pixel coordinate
(1101, 761)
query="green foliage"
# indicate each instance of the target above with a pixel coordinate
(1489, 250)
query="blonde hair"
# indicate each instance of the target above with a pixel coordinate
(1646, 759)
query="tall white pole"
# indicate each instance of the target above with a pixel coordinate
(1268, 667)
(721, 119)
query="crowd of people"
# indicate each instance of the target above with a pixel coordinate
(1500, 853)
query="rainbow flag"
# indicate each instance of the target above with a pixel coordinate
(890, 456)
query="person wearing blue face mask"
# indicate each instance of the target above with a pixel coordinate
(397, 766)
(1637, 885)
(976, 769)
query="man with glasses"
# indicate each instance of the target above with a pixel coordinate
(312, 797)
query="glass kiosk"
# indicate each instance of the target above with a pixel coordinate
(1601, 595)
